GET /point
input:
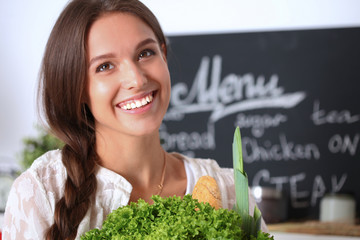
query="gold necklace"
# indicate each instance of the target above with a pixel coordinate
(161, 185)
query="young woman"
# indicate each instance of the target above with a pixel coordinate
(105, 88)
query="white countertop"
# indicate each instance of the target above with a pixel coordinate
(297, 236)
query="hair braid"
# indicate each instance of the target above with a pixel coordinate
(80, 184)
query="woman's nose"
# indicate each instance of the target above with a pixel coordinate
(131, 75)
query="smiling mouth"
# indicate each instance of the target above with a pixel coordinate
(137, 103)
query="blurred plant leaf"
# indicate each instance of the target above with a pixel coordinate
(34, 147)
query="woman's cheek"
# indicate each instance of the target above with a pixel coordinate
(101, 93)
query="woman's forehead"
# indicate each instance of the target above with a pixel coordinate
(118, 30)
(121, 23)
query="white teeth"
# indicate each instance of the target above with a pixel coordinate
(138, 103)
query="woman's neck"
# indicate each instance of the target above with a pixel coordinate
(139, 159)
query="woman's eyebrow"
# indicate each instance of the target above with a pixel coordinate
(145, 42)
(103, 56)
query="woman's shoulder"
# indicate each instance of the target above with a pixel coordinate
(48, 165)
(49, 158)
(33, 195)
(198, 167)
(47, 172)
(203, 166)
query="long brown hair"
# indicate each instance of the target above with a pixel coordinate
(63, 93)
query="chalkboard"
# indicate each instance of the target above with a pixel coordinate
(294, 95)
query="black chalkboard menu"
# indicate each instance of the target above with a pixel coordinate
(294, 95)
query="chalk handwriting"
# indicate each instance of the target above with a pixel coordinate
(283, 151)
(279, 181)
(320, 116)
(337, 185)
(339, 144)
(300, 199)
(223, 97)
(295, 195)
(258, 123)
(318, 190)
(188, 141)
(319, 187)
(263, 175)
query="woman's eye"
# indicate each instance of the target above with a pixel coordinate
(104, 67)
(146, 53)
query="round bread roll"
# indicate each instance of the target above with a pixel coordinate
(207, 190)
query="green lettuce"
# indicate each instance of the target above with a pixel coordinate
(171, 218)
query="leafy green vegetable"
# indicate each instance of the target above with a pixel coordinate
(250, 224)
(170, 218)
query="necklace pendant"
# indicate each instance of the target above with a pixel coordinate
(161, 185)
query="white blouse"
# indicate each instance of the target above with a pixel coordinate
(31, 203)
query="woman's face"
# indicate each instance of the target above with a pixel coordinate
(128, 79)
